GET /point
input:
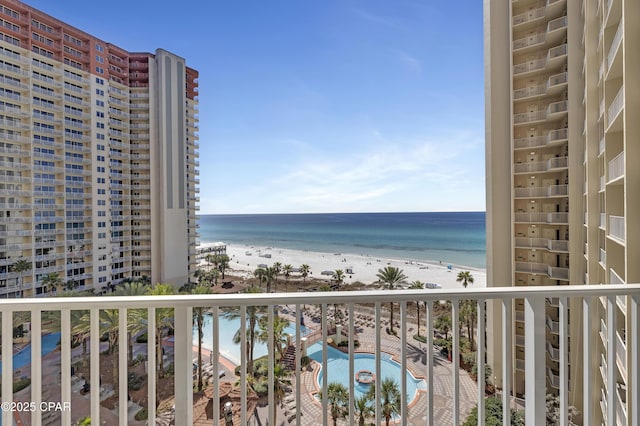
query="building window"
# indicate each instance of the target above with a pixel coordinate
(99, 70)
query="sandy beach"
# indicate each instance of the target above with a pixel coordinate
(247, 258)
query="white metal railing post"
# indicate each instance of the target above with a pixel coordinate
(507, 358)
(429, 355)
(535, 360)
(183, 367)
(564, 361)
(403, 363)
(633, 398)
(7, 364)
(298, 353)
(378, 346)
(243, 364)
(94, 364)
(36, 365)
(352, 367)
(65, 363)
(123, 404)
(272, 361)
(151, 365)
(611, 359)
(587, 361)
(325, 372)
(480, 362)
(215, 359)
(455, 360)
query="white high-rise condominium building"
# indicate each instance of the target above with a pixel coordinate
(562, 133)
(98, 159)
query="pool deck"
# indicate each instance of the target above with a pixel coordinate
(442, 380)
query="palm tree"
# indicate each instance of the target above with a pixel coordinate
(277, 268)
(390, 401)
(279, 338)
(253, 313)
(261, 275)
(109, 325)
(223, 264)
(286, 271)
(338, 399)
(338, 276)
(417, 285)
(465, 277)
(281, 381)
(468, 314)
(132, 288)
(304, 271)
(52, 280)
(198, 318)
(392, 277)
(271, 274)
(22, 265)
(164, 322)
(364, 408)
(443, 323)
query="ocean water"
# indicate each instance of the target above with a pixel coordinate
(453, 238)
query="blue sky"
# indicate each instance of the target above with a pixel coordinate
(321, 106)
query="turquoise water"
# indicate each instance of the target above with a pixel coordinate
(23, 358)
(457, 237)
(228, 328)
(338, 370)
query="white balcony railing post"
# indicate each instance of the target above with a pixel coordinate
(403, 363)
(507, 357)
(587, 362)
(324, 394)
(123, 342)
(480, 362)
(634, 371)
(272, 361)
(7, 364)
(36, 365)
(183, 367)
(429, 350)
(378, 345)
(455, 360)
(611, 356)
(94, 367)
(564, 361)
(535, 337)
(352, 367)
(151, 364)
(243, 365)
(215, 349)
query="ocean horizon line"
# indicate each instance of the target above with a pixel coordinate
(344, 213)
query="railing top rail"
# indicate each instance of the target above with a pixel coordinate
(372, 296)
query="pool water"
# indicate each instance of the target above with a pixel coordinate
(338, 370)
(228, 328)
(23, 358)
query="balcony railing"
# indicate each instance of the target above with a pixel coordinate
(305, 407)
(615, 44)
(616, 167)
(616, 227)
(541, 191)
(615, 107)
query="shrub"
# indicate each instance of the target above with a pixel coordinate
(493, 414)
(421, 338)
(142, 414)
(143, 338)
(18, 385)
(84, 421)
(135, 381)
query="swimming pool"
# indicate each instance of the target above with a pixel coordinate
(338, 370)
(22, 358)
(228, 328)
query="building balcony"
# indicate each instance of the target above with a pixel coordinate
(529, 16)
(541, 191)
(541, 166)
(616, 106)
(421, 406)
(617, 228)
(615, 45)
(616, 168)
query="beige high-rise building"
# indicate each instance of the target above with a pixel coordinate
(562, 131)
(98, 159)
